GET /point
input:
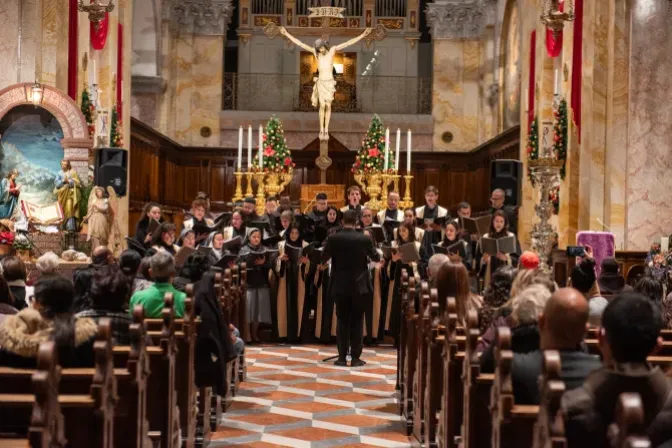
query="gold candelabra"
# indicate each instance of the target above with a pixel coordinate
(248, 191)
(238, 195)
(387, 178)
(395, 178)
(261, 201)
(276, 182)
(407, 202)
(370, 183)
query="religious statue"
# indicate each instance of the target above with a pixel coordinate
(68, 194)
(102, 229)
(325, 84)
(9, 194)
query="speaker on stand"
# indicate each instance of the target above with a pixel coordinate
(111, 169)
(508, 176)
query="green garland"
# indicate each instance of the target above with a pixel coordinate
(88, 110)
(560, 130)
(533, 146)
(116, 139)
(277, 156)
(371, 156)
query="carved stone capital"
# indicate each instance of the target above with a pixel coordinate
(454, 19)
(205, 17)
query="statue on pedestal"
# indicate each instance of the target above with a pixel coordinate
(68, 194)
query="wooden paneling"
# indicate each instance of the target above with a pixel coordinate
(162, 170)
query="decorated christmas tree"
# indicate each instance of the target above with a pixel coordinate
(371, 156)
(533, 145)
(560, 134)
(277, 157)
(88, 110)
(116, 139)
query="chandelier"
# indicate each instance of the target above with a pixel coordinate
(96, 10)
(556, 13)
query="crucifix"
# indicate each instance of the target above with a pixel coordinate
(325, 84)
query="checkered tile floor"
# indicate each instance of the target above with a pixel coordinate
(292, 399)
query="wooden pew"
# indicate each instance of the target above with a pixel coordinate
(434, 343)
(549, 430)
(87, 407)
(512, 425)
(46, 426)
(242, 317)
(627, 431)
(409, 320)
(420, 375)
(476, 422)
(401, 350)
(162, 412)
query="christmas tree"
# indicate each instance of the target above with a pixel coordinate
(277, 157)
(371, 156)
(533, 145)
(88, 110)
(560, 135)
(116, 140)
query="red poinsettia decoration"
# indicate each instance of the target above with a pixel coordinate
(268, 152)
(288, 161)
(374, 152)
(6, 238)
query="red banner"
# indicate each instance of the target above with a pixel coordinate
(532, 83)
(577, 65)
(73, 55)
(120, 67)
(99, 33)
(554, 40)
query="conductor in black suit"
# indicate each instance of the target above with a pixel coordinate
(350, 285)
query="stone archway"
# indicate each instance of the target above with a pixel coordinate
(76, 142)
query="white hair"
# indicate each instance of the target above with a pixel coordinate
(48, 263)
(530, 303)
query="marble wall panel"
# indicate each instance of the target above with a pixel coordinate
(9, 35)
(650, 124)
(206, 97)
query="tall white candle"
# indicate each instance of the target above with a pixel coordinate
(396, 156)
(556, 84)
(261, 157)
(387, 148)
(240, 148)
(249, 147)
(408, 152)
(261, 143)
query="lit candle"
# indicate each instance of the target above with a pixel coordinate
(396, 156)
(387, 148)
(261, 146)
(240, 147)
(408, 152)
(556, 84)
(249, 147)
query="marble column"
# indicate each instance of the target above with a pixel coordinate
(457, 30)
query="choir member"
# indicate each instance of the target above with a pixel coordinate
(392, 212)
(249, 211)
(431, 210)
(498, 229)
(372, 309)
(286, 220)
(237, 227)
(410, 219)
(258, 287)
(271, 214)
(215, 241)
(393, 268)
(163, 238)
(354, 196)
(325, 317)
(292, 287)
(198, 222)
(319, 212)
(205, 197)
(366, 218)
(143, 236)
(187, 239)
(497, 199)
(450, 238)
(332, 224)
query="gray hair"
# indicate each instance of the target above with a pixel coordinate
(48, 263)
(530, 303)
(162, 265)
(434, 263)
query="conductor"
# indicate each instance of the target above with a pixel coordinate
(351, 287)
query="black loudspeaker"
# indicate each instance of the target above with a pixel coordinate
(507, 175)
(110, 169)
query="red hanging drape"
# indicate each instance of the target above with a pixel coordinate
(577, 65)
(531, 84)
(120, 67)
(72, 49)
(553, 44)
(99, 33)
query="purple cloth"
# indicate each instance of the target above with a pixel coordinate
(603, 245)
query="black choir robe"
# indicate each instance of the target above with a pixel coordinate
(325, 317)
(291, 299)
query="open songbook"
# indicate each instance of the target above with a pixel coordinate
(477, 226)
(252, 257)
(505, 245)
(454, 249)
(293, 252)
(42, 214)
(409, 252)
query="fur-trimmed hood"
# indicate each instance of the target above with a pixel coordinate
(22, 333)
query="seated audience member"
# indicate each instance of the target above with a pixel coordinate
(528, 260)
(14, 271)
(129, 263)
(109, 295)
(667, 311)
(452, 280)
(610, 281)
(102, 256)
(525, 310)
(196, 265)
(48, 263)
(650, 287)
(496, 294)
(162, 270)
(630, 332)
(238, 343)
(562, 326)
(433, 265)
(7, 307)
(51, 318)
(583, 279)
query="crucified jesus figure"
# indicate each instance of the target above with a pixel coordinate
(325, 84)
